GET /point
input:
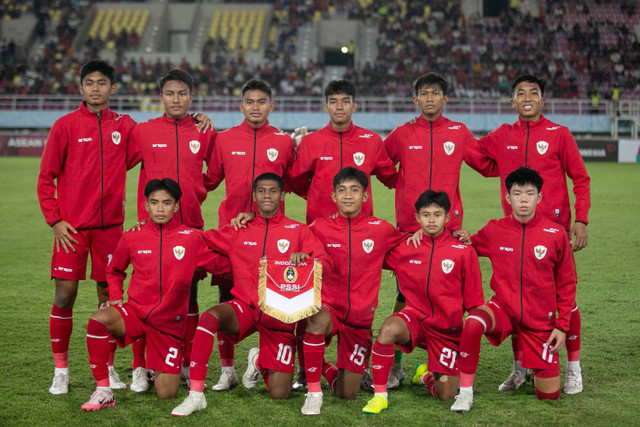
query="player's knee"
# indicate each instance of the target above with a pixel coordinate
(279, 392)
(347, 394)
(319, 322)
(167, 392)
(388, 331)
(478, 321)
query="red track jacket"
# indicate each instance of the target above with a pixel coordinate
(164, 258)
(357, 246)
(170, 148)
(322, 154)
(441, 278)
(276, 237)
(240, 155)
(430, 154)
(83, 169)
(551, 150)
(534, 275)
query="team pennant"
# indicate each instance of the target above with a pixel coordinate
(289, 292)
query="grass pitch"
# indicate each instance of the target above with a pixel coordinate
(607, 294)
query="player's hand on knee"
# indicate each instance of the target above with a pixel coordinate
(556, 340)
(112, 303)
(62, 234)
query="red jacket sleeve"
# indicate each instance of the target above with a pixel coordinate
(215, 168)
(574, 167)
(384, 168)
(392, 145)
(209, 184)
(134, 153)
(472, 293)
(565, 277)
(51, 166)
(212, 262)
(116, 270)
(219, 240)
(313, 247)
(478, 158)
(301, 170)
(480, 240)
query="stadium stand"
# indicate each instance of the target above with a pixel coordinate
(584, 48)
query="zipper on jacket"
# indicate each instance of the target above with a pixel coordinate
(431, 155)
(521, 268)
(349, 273)
(264, 243)
(159, 275)
(526, 147)
(433, 245)
(101, 172)
(253, 173)
(340, 133)
(178, 166)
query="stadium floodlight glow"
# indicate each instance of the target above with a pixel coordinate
(344, 49)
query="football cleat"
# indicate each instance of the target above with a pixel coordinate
(60, 384)
(312, 404)
(251, 375)
(573, 382)
(396, 376)
(463, 403)
(376, 405)
(421, 371)
(194, 402)
(228, 380)
(114, 380)
(140, 380)
(300, 383)
(100, 398)
(515, 380)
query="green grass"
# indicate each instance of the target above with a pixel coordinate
(607, 293)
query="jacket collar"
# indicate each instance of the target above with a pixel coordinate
(533, 222)
(347, 132)
(278, 218)
(84, 110)
(170, 226)
(522, 124)
(246, 127)
(186, 120)
(435, 123)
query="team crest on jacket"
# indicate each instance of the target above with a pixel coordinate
(449, 147)
(272, 154)
(542, 147)
(194, 146)
(367, 245)
(358, 158)
(178, 252)
(447, 265)
(540, 251)
(116, 137)
(283, 245)
(290, 274)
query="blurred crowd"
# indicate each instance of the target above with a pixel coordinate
(586, 56)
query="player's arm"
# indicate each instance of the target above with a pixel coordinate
(384, 169)
(575, 169)
(134, 149)
(220, 240)
(393, 146)
(301, 170)
(116, 272)
(208, 159)
(482, 239)
(313, 247)
(215, 168)
(478, 158)
(565, 281)
(210, 261)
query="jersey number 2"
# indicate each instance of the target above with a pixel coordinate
(172, 354)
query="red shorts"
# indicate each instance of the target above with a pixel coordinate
(99, 242)
(164, 352)
(442, 352)
(535, 354)
(277, 340)
(354, 344)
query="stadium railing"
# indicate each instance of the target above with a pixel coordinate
(314, 104)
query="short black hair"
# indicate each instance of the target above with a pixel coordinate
(431, 79)
(433, 198)
(339, 87)
(269, 176)
(351, 173)
(176, 75)
(98, 65)
(523, 176)
(166, 184)
(528, 78)
(257, 84)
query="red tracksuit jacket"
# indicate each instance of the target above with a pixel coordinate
(164, 258)
(357, 246)
(323, 153)
(276, 237)
(441, 278)
(430, 154)
(83, 169)
(170, 148)
(534, 275)
(551, 150)
(240, 155)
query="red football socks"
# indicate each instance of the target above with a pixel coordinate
(381, 362)
(313, 346)
(201, 350)
(60, 327)
(98, 346)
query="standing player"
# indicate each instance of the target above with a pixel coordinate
(441, 280)
(534, 282)
(240, 154)
(164, 255)
(357, 243)
(324, 153)
(430, 151)
(535, 142)
(272, 235)
(171, 146)
(81, 192)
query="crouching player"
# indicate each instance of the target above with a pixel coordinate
(164, 255)
(534, 280)
(272, 235)
(441, 280)
(357, 243)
